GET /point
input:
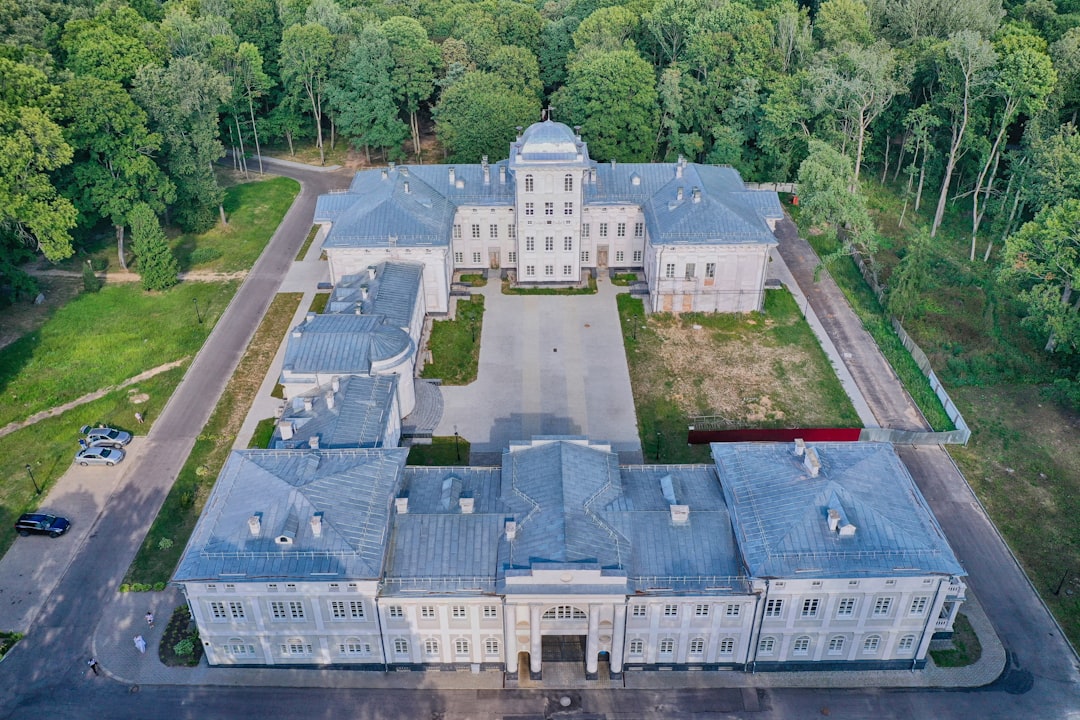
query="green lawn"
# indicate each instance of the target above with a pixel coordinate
(443, 451)
(100, 339)
(966, 648)
(307, 243)
(455, 344)
(590, 289)
(254, 210)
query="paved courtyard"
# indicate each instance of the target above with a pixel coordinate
(549, 365)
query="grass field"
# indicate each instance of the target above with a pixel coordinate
(443, 451)
(455, 344)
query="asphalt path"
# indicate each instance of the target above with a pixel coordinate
(46, 672)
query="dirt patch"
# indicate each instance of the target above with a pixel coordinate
(26, 317)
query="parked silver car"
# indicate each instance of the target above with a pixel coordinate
(99, 456)
(105, 437)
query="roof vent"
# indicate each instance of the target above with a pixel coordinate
(467, 505)
(307, 404)
(335, 384)
(390, 165)
(697, 195)
(385, 174)
(834, 519)
(452, 175)
(316, 524)
(286, 428)
(679, 193)
(811, 462)
(405, 187)
(511, 529)
(668, 488)
(678, 170)
(401, 504)
(313, 442)
(612, 163)
(460, 183)
(255, 524)
(483, 160)
(330, 400)
(680, 514)
(404, 171)
(297, 333)
(487, 172)
(635, 179)
(800, 447)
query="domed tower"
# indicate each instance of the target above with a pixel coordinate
(549, 164)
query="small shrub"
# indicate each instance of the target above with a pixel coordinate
(124, 587)
(165, 543)
(203, 255)
(187, 499)
(184, 648)
(159, 586)
(7, 641)
(91, 282)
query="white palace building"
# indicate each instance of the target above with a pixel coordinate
(328, 551)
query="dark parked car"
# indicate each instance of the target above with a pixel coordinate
(41, 524)
(105, 437)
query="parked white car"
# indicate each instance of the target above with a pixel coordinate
(105, 437)
(99, 456)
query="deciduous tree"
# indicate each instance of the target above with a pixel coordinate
(306, 54)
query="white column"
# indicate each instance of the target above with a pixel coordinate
(534, 639)
(510, 638)
(618, 638)
(592, 642)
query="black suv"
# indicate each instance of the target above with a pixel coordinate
(40, 524)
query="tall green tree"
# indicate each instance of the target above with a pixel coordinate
(612, 95)
(115, 151)
(306, 54)
(413, 76)
(477, 116)
(156, 263)
(111, 45)
(518, 69)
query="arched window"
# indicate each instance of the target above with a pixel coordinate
(431, 646)
(801, 646)
(354, 646)
(237, 647)
(766, 646)
(461, 646)
(727, 646)
(529, 183)
(491, 646)
(401, 646)
(906, 644)
(637, 647)
(564, 612)
(836, 645)
(871, 644)
(697, 646)
(667, 646)
(568, 183)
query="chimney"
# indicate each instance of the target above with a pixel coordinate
(487, 172)
(511, 529)
(483, 160)
(679, 194)
(330, 400)
(811, 462)
(255, 524)
(680, 514)
(313, 442)
(307, 404)
(678, 170)
(800, 447)
(385, 174)
(335, 384)
(502, 174)
(404, 171)
(577, 132)
(834, 519)
(390, 165)
(467, 504)
(285, 427)
(405, 187)
(697, 195)
(401, 504)
(612, 163)
(452, 175)
(847, 530)
(316, 524)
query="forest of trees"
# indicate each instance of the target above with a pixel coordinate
(113, 113)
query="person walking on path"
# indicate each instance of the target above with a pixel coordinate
(92, 662)
(150, 618)
(140, 644)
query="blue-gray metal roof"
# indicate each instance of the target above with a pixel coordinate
(780, 512)
(362, 406)
(469, 187)
(393, 292)
(353, 489)
(343, 344)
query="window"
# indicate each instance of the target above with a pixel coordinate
(230, 587)
(639, 230)
(669, 270)
(530, 208)
(774, 607)
(401, 646)
(918, 605)
(530, 244)
(458, 612)
(732, 611)
(584, 256)
(353, 646)
(493, 231)
(836, 645)
(511, 256)
(476, 257)
(620, 230)
(431, 646)
(459, 258)
(491, 646)
(295, 646)
(846, 607)
(637, 647)
(549, 244)
(457, 232)
(690, 270)
(810, 607)
(568, 183)
(853, 583)
(766, 646)
(530, 270)
(237, 646)
(427, 611)
(568, 244)
(549, 270)
(671, 611)
(801, 646)
(296, 609)
(529, 185)
(882, 606)
(491, 611)
(585, 230)
(335, 587)
(727, 646)
(697, 646)
(620, 256)
(816, 584)
(461, 647)
(549, 209)
(871, 644)
(667, 646)
(337, 609)
(639, 611)
(277, 610)
(568, 208)
(890, 582)
(236, 609)
(701, 610)
(356, 609)
(603, 230)
(564, 612)
(567, 270)
(270, 587)
(476, 231)
(217, 610)
(290, 587)
(395, 611)
(710, 270)
(353, 587)
(906, 644)
(637, 256)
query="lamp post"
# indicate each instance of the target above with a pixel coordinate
(30, 472)
(659, 438)
(198, 314)
(457, 447)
